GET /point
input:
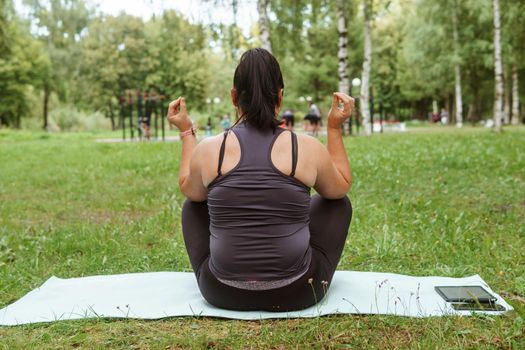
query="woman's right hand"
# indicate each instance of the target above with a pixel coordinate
(337, 115)
(178, 116)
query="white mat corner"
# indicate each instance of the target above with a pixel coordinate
(158, 295)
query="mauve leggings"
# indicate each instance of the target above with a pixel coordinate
(329, 222)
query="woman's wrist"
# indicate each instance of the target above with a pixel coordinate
(334, 124)
(189, 131)
(334, 132)
(185, 125)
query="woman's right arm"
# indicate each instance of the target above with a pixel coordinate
(190, 167)
(334, 176)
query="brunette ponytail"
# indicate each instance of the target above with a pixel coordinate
(258, 79)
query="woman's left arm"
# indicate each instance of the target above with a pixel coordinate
(190, 170)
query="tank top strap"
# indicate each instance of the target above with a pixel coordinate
(294, 153)
(221, 153)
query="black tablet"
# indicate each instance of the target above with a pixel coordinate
(465, 294)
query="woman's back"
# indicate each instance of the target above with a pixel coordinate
(258, 215)
(255, 238)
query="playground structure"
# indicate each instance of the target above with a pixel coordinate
(143, 106)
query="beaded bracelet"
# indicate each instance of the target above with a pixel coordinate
(190, 131)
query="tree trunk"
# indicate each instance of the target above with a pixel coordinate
(457, 68)
(344, 85)
(452, 114)
(498, 69)
(264, 26)
(470, 113)
(235, 7)
(18, 117)
(111, 115)
(447, 107)
(507, 92)
(47, 92)
(367, 64)
(515, 96)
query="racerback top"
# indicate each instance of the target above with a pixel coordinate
(258, 216)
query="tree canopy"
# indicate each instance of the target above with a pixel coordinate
(64, 52)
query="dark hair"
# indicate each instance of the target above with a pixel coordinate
(257, 80)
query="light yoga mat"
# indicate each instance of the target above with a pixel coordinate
(157, 295)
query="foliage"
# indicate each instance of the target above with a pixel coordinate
(60, 25)
(88, 59)
(117, 47)
(22, 64)
(181, 66)
(69, 118)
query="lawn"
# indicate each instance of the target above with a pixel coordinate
(438, 201)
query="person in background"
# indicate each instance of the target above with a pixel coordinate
(444, 116)
(209, 127)
(314, 118)
(225, 122)
(289, 119)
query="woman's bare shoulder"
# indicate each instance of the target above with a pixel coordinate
(309, 142)
(209, 143)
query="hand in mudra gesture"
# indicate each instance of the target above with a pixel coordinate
(178, 116)
(341, 109)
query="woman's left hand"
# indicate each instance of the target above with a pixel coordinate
(178, 116)
(341, 110)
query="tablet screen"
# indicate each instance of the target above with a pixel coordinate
(465, 294)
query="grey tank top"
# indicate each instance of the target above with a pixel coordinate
(258, 217)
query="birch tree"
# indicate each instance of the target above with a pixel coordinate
(515, 96)
(457, 67)
(344, 85)
(264, 26)
(498, 69)
(367, 64)
(506, 101)
(515, 39)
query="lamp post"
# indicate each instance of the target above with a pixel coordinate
(356, 83)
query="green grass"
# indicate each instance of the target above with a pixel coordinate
(439, 201)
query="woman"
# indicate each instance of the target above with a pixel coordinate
(255, 238)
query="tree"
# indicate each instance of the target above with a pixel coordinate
(344, 85)
(446, 55)
(22, 64)
(388, 42)
(264, 27)
(181, 65)
(61, 24)
(515, 96)
(367, 64)
(498, 69)
(118, 47)
(457, 67)
(513, 17)
(166, 54)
